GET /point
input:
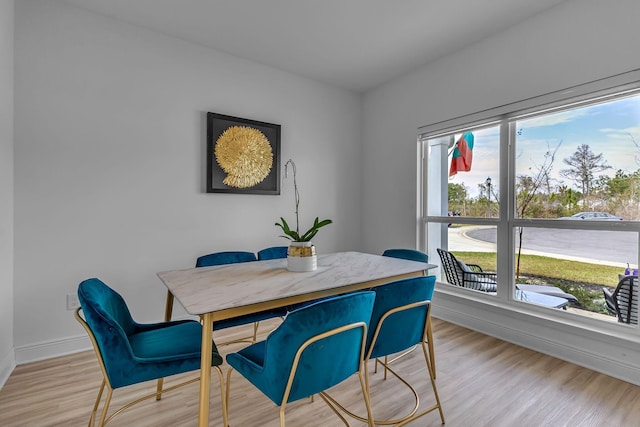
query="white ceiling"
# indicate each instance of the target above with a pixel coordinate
(354, 44)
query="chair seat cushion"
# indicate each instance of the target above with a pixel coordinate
(160, 352)
(176, 341)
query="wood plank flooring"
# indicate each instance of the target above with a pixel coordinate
(482, 381)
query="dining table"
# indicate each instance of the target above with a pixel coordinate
(226, 291)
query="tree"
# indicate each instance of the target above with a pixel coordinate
(583, 165)
(568, 198)
(457, 193)
(527, 188)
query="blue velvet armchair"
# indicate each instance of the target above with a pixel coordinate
(129, 352)
(419, 256)
(399, 321)
(233, 257)
(410, 254)
(316, 347)
(274, 252)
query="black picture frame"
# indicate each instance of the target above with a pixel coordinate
(216, 125)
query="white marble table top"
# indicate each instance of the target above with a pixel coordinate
(235, 289)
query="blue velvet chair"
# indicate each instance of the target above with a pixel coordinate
(129, 352)
(410, 254)
(274, 252)
(414, 255)
(232, 257)
(399, 321)
(222, 258)
(315, 348)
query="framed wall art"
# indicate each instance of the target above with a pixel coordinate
(243, 156)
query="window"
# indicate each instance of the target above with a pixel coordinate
(537, 204)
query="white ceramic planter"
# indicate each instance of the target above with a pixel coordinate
(301, 256)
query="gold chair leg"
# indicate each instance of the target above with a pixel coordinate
(159, 388)
(335, 411)
(92, 419)
(364, 383)
(225, 414)
(409, 416)
(227, 392)
(106, 408)
(168, 312)
(335, 405)
(432, 352)
(438, 405)
(432, 376)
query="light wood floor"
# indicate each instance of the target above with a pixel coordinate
(482, 381)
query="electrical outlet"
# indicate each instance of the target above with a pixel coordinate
(72, 301)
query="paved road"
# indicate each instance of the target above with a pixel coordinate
(611, 247)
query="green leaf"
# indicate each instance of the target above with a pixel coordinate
(314, 230)
(290, 234)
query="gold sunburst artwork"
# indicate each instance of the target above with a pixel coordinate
(245, 155)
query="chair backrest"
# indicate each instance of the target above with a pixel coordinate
(326, 362)
(626, 300)
(110, 321)
(410, 254)
(451, 267)
(222, 258)
(274, 252)
(399, 317)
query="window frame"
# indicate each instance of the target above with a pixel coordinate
(615, 87)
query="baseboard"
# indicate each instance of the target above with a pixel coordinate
(54, 348)
(7, 365)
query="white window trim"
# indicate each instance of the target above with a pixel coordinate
(549, 331)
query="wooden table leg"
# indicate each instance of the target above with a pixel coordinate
(168, 311)
(205, 369)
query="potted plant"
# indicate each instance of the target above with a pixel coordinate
(301, 255)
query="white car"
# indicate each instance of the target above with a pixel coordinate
(594, 216)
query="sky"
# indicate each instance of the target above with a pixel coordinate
(607, 128)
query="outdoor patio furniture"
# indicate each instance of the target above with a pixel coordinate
(549, 301)
(548, 290)
(623, 302)
(471, 276)
(466, 275)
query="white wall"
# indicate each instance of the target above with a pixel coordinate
(7, 359)
(109, 163)
(573, 43)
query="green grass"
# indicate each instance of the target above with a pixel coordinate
(581, 279)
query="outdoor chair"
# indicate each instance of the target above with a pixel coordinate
(623, 302)
(130, 353)
(466, 275)
(315, 348)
